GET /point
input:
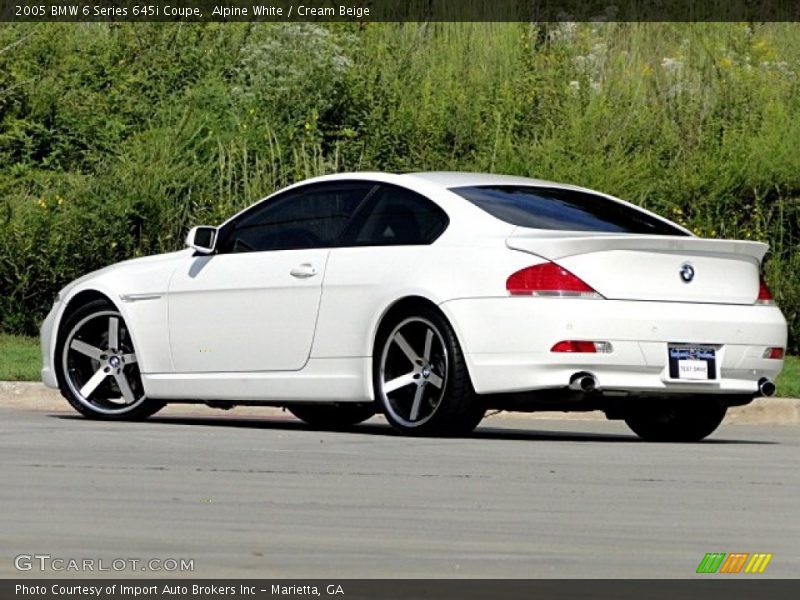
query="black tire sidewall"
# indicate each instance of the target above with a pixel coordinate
(460, 410)
(692, 423)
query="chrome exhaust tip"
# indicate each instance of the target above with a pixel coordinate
(583, 382)
(766, 387)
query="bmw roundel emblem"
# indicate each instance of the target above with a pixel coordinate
(687, 272)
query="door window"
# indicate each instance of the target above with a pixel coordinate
(313, 216)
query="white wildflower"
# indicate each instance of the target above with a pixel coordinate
(563, 32)
(671, 65)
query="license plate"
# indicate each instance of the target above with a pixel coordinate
(692, 363)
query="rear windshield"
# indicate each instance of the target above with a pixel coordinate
(567, 210)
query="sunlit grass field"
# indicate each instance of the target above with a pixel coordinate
(19, 358)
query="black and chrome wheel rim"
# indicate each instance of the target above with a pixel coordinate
(100, 365)
(413, 372)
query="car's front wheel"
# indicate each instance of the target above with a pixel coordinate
(676, 421)
(97, 365)
(420, 377)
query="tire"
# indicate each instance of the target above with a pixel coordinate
(332, 416)
(98, 375)
(420, 378)
(677, 421)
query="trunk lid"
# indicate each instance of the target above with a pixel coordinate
(652, 267)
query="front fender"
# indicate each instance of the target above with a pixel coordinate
(138, 289)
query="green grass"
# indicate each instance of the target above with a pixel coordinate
(20, 361)
(789, 379)
(19, 358)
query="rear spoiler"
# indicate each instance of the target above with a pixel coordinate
(553, 245)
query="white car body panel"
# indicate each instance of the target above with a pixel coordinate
(240, 327)
(509, 341)
(328, 380)
(244, 312)
(645, 267)
(366, 284)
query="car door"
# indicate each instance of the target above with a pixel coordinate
(253, 304)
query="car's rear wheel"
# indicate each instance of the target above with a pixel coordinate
(328, 416)
(676, 421)
(97, 365)
(420, 378)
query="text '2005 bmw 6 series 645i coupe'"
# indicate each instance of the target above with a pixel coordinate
(432, 298)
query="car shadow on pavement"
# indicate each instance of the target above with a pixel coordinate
(382, 429)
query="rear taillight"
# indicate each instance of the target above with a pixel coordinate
(583, 346)
(773, 353)
(764, 295)
(548, 279)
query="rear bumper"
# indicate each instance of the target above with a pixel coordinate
(507, 341)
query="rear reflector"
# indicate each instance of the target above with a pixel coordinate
(583, 346)
(764, 295)
(548, 279)
(775, 353)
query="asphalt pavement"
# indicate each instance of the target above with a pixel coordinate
(269, 497)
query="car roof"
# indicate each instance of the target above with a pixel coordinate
(446, 179)
(451, 179)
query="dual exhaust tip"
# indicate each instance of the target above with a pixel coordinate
(585, 382)
(766, 387)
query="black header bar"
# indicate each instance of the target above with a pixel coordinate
(397, 10)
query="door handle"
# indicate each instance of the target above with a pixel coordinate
(303, 271)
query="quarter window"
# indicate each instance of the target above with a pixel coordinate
(395, 216)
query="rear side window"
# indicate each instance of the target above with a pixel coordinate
(560, 209)
(395, 216)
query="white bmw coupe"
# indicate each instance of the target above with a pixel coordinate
(429, 297)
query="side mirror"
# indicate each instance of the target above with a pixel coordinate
(202, 239)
